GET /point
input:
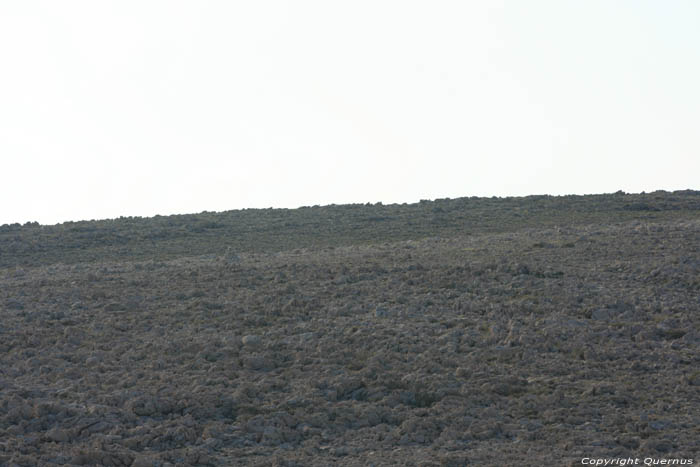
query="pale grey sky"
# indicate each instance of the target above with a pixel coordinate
(111, 108)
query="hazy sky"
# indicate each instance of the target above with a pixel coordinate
(111, 108)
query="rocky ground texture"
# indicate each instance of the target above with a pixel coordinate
(538, 346)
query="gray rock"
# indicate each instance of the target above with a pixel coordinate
(658, 425)
(258, 362)
(307, 336)
(14, 305)
(251, 340)
(600, 315)
(114, 306)
(57, 435)
(92, 361)
(658, 445)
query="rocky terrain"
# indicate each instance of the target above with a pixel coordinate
(545, 334)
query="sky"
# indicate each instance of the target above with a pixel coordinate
(138, 108)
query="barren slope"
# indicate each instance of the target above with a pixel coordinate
(524, 346)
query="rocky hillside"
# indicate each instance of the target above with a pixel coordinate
(518, 331)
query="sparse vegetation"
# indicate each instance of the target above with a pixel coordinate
(519, 331)
(270, 230)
